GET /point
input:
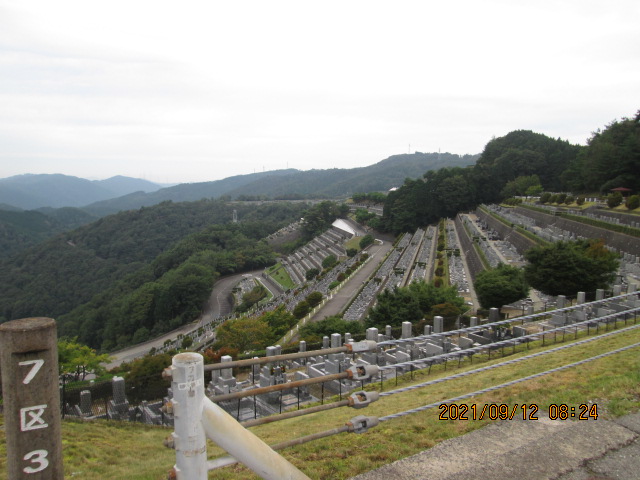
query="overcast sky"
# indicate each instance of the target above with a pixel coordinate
(201, 90)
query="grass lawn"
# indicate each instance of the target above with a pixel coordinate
(280, 275)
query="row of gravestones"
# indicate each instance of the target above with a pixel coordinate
(619, 242)
(118, 407)
(223, 382)
(423, 347)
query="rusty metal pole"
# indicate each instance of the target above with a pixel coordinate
(29, 363)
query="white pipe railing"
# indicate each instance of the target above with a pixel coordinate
(197, 418)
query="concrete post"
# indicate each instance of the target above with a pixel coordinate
(187, 385)
(29, 362)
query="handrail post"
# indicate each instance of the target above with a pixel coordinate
(29, 362)
(187, 385)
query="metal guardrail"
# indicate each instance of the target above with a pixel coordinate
(187, 374)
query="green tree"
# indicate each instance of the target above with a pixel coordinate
(611, 159)
(301, 309)
(411, 304)
(521, 186)
(313, 332)
(280, 320)
(144, 376)
(314, 298)
(566, 268)
(77, 359)
(500, 286)
(311, 273)
(633, 202)
(186, 342)
(252, 297)
(244, 334)
(614, 199)
(366, 241)
(329, 261)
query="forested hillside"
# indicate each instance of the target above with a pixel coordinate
(22, 229)
(520, 159)
(170, 291)
(294, 184)
(60, 274)
(337, 182)
(611, 160)
(185, 192)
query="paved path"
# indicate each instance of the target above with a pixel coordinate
(529, 450)
(342, 298)
(219, 305)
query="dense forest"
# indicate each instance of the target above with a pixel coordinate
(22, 229)
(610, 159)
(64, 272)
(169, 291)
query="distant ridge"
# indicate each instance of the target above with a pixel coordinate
(31, 191)
(184, 192)
(291, 183)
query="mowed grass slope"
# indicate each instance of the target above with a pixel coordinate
(113, 450)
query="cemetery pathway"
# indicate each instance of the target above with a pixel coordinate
(529, 450)
(342, 298)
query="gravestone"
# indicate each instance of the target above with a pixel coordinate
(406, 330)
(438, 324)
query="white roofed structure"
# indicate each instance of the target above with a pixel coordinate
(344, 226)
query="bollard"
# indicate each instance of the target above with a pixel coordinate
(29, 362)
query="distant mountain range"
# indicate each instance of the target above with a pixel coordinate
(104, 197)
(29, 192)
(291, 183)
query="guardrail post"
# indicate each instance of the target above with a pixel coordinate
(29, 362)
(187, 385)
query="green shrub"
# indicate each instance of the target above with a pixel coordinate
(633, 202)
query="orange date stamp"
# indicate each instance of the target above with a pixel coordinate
(503, 411)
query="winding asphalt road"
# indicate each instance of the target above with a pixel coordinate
(220, 304)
